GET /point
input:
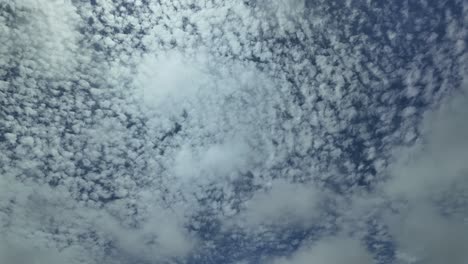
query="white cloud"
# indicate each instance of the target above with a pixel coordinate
(218, 160)
(169, 78)
(283, 204)
(34, 223)
(292, 5)
(219, 69)
(45, 35)
(24, 251)
(332, 250)
(431, 178)
(284, 7)
(440, 159)
(427, 237)
(45, 224)
(160, 237)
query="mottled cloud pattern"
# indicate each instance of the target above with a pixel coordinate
(213, 131)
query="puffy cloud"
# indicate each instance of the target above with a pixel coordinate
(283, 204)
(47, 225)
(423, 235)
(20, 252)
(431, 178)
(169, 79)
(218, 160)
(32, 220)
(332, 250)
(287, 6)
(439, 160)
(45, 35)
(160, 238)
(110, 106)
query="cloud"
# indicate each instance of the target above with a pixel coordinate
(284, 7)
(440, 159)
(331, 250)
(215, 160)
(50, 27)
(169, 79)
(426, 236)
(292, 5)
(32, 221)
(305, 93)
(283, 204)
(432, 180)
(47, 225)
(161, 237)
(21, 252)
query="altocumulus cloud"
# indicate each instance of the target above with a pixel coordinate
(217, 131)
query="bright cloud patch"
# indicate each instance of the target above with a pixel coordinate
(170, 79)
(219, 160)
(432, 179)
(284, 203)
(334, 250)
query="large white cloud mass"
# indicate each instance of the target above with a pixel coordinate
(432, 179)
(213, 131)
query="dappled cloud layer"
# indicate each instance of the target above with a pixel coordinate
(215, 131)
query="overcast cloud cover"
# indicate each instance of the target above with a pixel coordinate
(285, 132)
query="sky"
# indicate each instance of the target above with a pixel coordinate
(214, 131)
